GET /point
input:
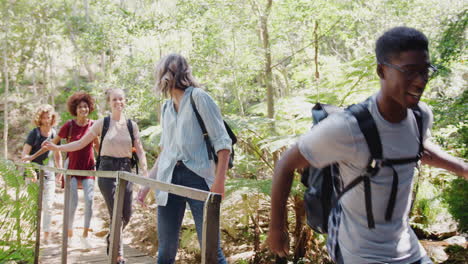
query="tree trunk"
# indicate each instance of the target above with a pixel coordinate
(5, 110)
(301, 234)
(7, 83)
(236, 88)
(86, 6)
(267, 54)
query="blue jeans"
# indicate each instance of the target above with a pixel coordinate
(88, 191)
(170, 216)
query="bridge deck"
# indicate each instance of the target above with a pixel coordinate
(51, 255)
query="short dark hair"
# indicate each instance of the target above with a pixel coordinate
(76, 99)
(397, 40)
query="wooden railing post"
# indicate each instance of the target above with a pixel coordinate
(39, 216)
(66, 210)
(211, 229)
(116, 226)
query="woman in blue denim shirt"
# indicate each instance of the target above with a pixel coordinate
(184, 157)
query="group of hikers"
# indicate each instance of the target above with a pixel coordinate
(402, 121)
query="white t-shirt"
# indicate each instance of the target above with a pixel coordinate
(338, 139)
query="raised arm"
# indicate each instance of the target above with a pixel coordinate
(283, 176)
(42, 150)
(73, 146)
(436, 157)
(25, 153)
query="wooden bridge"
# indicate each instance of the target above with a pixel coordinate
(55, 255)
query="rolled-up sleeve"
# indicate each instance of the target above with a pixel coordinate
(213, 120)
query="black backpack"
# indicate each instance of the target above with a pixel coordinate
(324, 186)
(209, 147)
(134, 160)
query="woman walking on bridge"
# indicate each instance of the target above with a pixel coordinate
(116, 148)
(80, 105)
(44, 119)
(184, 158)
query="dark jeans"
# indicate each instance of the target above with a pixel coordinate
(107, 187)
(170, 216)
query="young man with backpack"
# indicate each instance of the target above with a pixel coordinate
(369, 222)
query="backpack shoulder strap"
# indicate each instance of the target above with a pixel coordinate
(105, 127)
(130, 130)
(368, 128)
(37, 136)
(132, 137)
(419, 121)
(371, 134)
(202, 126)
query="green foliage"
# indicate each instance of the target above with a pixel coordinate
(457, 254)
(452, 42)
(450, 115)
(428, 204)
(456, 196)
(54, 48)
(17, 222)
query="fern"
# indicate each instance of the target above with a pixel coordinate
(18, 206)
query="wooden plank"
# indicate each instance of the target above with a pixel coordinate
(175, 189)
(211, 211)
(102, 174)
(192, 193)
(94, 256)
(211, 229)
(117, 218)
(66, 209)
(39, 215)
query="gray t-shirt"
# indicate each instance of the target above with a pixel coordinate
(338, 139)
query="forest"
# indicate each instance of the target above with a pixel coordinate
(266, 63)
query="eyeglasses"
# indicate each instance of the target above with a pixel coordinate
(427, 73)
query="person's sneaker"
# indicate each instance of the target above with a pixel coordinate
(85, 244)
(73, 242)
(45, 242)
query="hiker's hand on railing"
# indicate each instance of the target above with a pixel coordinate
(140, 199)
(58, 179)
(49, 146)
(218, 187)
(278, 241)
(26, 158)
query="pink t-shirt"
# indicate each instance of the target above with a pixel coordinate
(117, 142)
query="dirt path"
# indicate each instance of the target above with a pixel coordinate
(51, 252)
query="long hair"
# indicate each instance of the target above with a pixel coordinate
(172, 72)
(45, 108)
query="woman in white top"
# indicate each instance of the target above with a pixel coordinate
(116, 153)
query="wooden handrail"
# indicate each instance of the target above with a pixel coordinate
(210, 216)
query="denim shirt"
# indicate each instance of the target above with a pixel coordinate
(182, 138)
